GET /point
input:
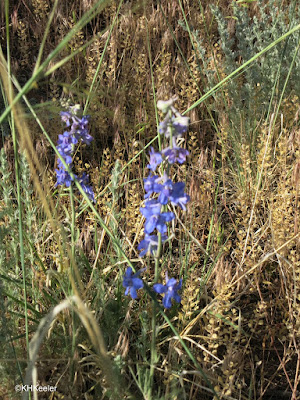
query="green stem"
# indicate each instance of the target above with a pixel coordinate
(171, 133)
(157, 257)
(156, 276)
(153, 322)
(73, 221)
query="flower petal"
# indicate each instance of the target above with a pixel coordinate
(159, 288)
(167, 300)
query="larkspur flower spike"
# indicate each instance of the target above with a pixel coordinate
(161, 191)
(78, 131)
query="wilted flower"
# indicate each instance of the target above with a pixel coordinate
(164, 106)
(180, 124)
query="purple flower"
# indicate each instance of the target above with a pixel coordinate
(180, 124)
(150, 244)
(170, 289)
(80, 129)
(154, 217)
(162, 219)
(132, 283)
(65, 145)
(163, 126)
(173, 192)
(66, 141)
(66, 156)
(178, 197)
(152, 207)
(151, 185)
(155, 159)
(63, 177)
(166, 190)
(66, 116)
(175, 154)
(84, 180)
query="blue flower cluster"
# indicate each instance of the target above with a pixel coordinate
(77, 130)
(170, 289)
(161, 191)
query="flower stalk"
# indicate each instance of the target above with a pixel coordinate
(161, 192)
(77, 131)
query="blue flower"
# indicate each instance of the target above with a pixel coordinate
(151, 185)
(67, 156)
(66, 140)
(66, 116)
(161, 221)
(169, 191)
(155, 159)
(132, 283)
(152, 207)
(165, 190)
(63, 177)
(80, 130)
(150, 244)
(175, 154)
(170, 289)
(154, 217)
(178, 197)
(65, 146)
(84, 180)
